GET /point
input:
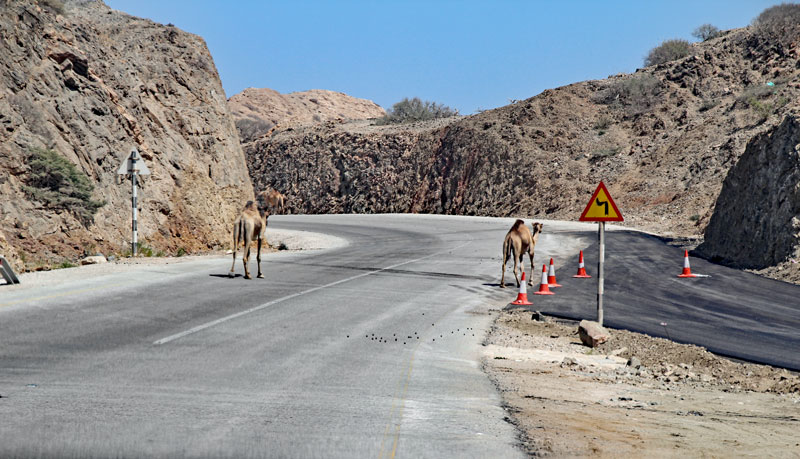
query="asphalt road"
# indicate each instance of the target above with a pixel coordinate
(181, 361)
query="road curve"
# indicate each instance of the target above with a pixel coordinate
(179, 360)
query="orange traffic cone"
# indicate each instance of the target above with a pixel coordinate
(522, 296)
(551, 276)
(544, 288)
(687, 270)
(581, 268)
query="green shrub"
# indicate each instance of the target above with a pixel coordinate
(58, 184)
(636, 94)
(408, 110)
(779, 23)
(669, 50)
(181, 252)
(64, 264)
(706, 32)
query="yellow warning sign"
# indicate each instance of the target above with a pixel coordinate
(601, 207)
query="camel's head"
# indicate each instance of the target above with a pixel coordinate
(537, 228)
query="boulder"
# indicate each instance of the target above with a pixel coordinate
(592, 333)
(94, 260)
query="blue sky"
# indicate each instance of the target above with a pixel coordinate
(466, 54)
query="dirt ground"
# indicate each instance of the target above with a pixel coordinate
(570, 400)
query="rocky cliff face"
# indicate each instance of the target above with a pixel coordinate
(90, 83)
(258, 111)
(662, 139)
(756, 220)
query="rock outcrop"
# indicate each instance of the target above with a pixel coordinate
(258, 111)
(662, 139)
(756, 220)
(90, 83)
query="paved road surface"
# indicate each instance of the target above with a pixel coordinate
(733, 313)
(179, 360)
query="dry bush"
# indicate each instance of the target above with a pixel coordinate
(669, 50)
(250, 130)
(706, 32)
(408, 110)
(635, 95)
(780, 23)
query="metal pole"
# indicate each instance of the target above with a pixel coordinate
(133, 205)
(601, 238)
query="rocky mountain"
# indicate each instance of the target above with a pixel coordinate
(90, 83)
(258, 111)
(662, 139)
(756, 220)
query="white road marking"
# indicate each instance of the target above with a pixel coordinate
(293, 295)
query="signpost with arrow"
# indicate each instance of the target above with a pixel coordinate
(601, 209)
(133, 165)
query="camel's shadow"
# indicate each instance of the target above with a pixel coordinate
(226, 276)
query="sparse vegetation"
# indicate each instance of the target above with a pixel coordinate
(694, 217)
(143, 250)
(181, 252)
(58, 184)
(763, 100)
(779, 23)
(56, 6)
(706, 32)
(283, 246)
(636, 94)
(408, 110)
(250, 130)
(64, 264)
(602, 124)
(606, 152)
(669, 50)
(708, 104)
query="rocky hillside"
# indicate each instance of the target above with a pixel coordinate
(756, 220)
(662, 139)
(90, 83)
(258, 111)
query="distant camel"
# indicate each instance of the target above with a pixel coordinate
(275, 201)
(251, 224)
(518, 241)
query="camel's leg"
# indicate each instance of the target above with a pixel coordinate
(258, 259)
(530, 279)
(516, 264)
(505, 258)
(246, 257)
(235, 247)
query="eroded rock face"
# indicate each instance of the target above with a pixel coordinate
(663, 154)
(92, 83)
(756, 221)
(258, 111)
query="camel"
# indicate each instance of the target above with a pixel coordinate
(250, 224)
(275, 201)
(518, 241)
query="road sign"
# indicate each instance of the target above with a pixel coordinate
(133, 164)
(601, 207)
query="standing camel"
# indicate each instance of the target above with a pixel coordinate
(275, 201)
(518, 241)
(251, 224)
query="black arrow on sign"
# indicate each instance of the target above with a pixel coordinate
(602, 203)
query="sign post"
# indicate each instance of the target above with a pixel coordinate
(601, 209)
(133, 165)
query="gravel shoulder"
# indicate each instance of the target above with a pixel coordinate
(571, 400)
